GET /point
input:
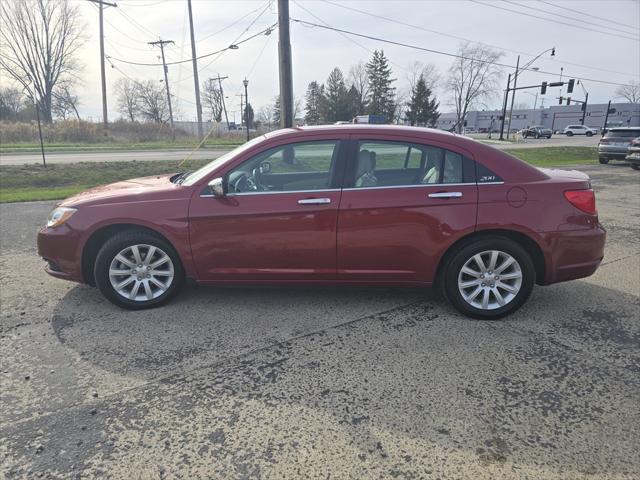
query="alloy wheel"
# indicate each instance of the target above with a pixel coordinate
(141, 272)
(490, 280)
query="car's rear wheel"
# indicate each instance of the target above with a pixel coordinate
(137, 270)
(635, 166)
(489, 278)
(603, 160)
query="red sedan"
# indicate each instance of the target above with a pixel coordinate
(365, 205)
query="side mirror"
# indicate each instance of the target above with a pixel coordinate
(217, 187)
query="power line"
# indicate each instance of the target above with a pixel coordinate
(457, 37)
(233, 24)
(230, 47)
(574, 11)
(438, 52)
(538, 9)
(550, 19)
(138, 25)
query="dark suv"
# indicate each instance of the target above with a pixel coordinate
(537, 131)
(616, 141)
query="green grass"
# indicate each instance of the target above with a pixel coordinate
(21, 183)
(14, 148)
(555, 156)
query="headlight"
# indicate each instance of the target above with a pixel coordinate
(59, 216)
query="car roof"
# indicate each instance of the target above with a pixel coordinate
(622, 129)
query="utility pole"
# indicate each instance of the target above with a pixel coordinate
(606, 117)
(504, 108)
(196, 81)
(245, 82)
(513, 96)
(241, 110)
(284, 56)
(224, 105)
(161, 44)
(101, 4)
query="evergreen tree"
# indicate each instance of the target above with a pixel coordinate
(421, 108)
(381, 90)
(335, 104)
(248, 115)
(313, 101)
(354, 102)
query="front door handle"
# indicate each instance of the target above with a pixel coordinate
(445, 195)
(314, 201)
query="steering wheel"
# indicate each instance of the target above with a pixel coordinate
(244, 182)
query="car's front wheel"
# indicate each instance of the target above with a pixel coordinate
(569, 134)
(137, 270)
(603, 160)
(589, 134)
(489, 278)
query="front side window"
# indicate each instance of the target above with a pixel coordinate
(293, 167)
(386, 164)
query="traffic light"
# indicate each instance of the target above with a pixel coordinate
(568, 100)
(543, 88)
(570, 86)
(560, 100)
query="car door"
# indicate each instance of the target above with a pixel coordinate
(402, 208)
(277, 220)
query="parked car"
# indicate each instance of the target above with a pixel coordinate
(570, 130)
(633, 154)
(358, 205)
(614, 144)
(537, 131)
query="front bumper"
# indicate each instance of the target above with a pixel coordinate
(573, 254)
(59, 247)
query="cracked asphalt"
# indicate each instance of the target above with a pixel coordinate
(288, 383)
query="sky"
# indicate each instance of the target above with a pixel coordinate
(596, 40)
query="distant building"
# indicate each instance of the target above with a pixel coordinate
(555, 117)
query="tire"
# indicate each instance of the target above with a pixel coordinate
(603, 160)
(520, 288)
(635, 166)
(524, 135)
(537, 136)
(152, 291)
(589, 134)
(569, 134)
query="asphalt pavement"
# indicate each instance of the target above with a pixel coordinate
(304, 383)
(214, 152)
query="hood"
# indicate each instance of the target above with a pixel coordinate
(136, 189)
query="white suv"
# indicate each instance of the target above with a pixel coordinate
(579, 130)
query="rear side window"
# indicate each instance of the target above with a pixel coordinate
(622, 133)
(485, 175)
(387, 164)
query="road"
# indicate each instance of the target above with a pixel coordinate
(211, 153)
(118, 156)
(236, 383)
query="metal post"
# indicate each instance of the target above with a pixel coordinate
(513, 97)
(224, 105)
(606, 117)
(584, 106)
(246, 106)
(196, 81)
(504, 108)
(284, 55)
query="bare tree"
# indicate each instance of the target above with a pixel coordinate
(12, 102)
(472, 77)
(265, 115)
(359, 78)
(39, 42)
(630, 91)
(429, 72)
(152, 101)
(65, 104)
(127, 98)
(212, 99)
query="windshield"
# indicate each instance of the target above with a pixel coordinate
(199, 174)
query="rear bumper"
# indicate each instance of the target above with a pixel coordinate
(573, 254)
(59, 248)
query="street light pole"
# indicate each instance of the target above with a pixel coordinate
(245, 82)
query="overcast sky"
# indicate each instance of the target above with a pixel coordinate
(582, 50)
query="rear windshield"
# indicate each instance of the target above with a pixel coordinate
(623, 133)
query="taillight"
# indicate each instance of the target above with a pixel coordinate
(584, 200)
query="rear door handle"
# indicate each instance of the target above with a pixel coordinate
(445, 195)
(314, 201)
